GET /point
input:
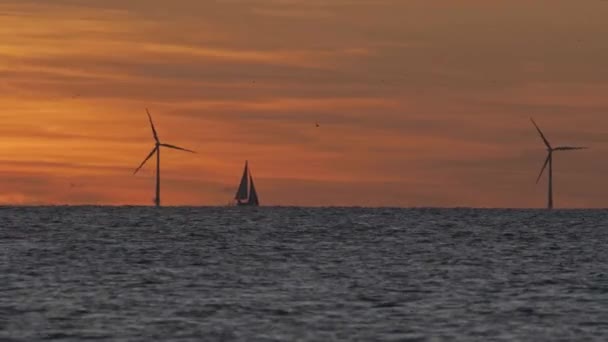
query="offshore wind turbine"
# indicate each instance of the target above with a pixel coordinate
(549, 161)
(156, 150)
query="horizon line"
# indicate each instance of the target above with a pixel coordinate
(4, 206)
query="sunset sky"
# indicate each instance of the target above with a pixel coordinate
(420, 102)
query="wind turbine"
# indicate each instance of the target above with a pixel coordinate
(156, 150)
(549, 161)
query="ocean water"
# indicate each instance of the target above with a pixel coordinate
(296, 274)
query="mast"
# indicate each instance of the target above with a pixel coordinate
(157, 200)
(550, 204)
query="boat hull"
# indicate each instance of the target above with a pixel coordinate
(246, 204)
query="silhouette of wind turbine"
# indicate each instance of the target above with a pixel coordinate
(549, 161)
(156, 150)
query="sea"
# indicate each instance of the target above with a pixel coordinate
(302, 274)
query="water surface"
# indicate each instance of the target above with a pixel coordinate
(270, 274)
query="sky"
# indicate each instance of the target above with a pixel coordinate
(420, 102)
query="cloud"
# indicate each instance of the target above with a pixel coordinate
(421, 103)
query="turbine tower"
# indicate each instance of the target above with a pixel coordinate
(549, 161)
(156, 150)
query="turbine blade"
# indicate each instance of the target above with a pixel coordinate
(152, 125)
(570, 148)
(145, 160)
(541, 134)
(177, 148)
(544, 167)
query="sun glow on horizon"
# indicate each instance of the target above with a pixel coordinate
(419, 105)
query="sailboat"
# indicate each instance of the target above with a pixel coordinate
(246, 194)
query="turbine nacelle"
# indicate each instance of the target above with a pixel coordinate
(156, 151)
(549, 160)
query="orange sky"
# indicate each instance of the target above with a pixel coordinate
(421, 102)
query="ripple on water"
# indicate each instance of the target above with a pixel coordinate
(124, 274)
